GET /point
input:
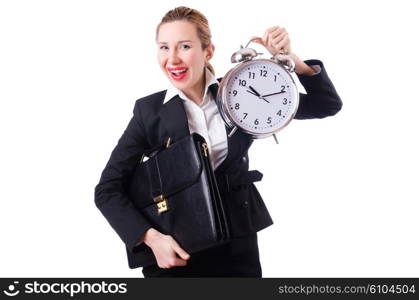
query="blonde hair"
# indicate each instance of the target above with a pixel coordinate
(195, 17)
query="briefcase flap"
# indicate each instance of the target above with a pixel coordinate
(168, 172)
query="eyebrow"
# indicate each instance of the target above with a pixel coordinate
(183, 41)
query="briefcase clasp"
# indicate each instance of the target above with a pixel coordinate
(205, 148)
(161, 203)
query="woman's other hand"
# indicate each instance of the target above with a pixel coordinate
(165, 249)
(277, 41)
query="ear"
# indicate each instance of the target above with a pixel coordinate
(210, 52)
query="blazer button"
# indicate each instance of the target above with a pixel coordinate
(244, 159)
(245, 204)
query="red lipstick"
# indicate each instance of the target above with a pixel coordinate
(178, 73)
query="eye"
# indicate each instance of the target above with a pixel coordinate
(184, 46)
(164, 47)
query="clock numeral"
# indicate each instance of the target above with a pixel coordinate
(234, 93)
(283, 88)
(237, 106)
(251, 75)
(285, 101)
(263, 73)
(242, 82)
(279, 113)
(275, 78)
(269, 120)
(256, 122)
(245, 115)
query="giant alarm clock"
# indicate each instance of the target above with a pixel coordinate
(258, 96)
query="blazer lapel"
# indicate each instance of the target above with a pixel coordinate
(173, 120)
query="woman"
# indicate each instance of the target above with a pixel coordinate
(184, 51)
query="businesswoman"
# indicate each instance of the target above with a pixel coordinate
(184, 51)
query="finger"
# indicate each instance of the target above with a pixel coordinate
(274, 33)
(278, 32)
(279, 38)
(284, 44)
(180, 262)
(272, 29)
(182, 253)
(265, 38)
(257, 39)
(268, 34)
(173, 262)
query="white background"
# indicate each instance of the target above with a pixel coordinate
(342, 190)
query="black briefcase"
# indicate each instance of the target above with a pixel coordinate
(176, 191)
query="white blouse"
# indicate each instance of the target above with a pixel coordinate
(205, 119)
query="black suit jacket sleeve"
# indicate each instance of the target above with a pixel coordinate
(110, 193)
(321, 99)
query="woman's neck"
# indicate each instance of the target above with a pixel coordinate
(196, 93)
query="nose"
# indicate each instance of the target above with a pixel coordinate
(173, 58)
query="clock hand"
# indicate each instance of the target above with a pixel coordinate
(273, 94)
(250, 92)
(256, 93)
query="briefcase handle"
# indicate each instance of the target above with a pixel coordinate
(155, 150)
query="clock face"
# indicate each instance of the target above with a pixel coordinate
(260, 97)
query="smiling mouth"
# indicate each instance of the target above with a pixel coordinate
(178, 73)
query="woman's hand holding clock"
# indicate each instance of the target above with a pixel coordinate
(276, 41)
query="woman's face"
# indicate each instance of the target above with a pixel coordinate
(181, 56)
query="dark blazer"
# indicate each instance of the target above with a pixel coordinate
(153, 122)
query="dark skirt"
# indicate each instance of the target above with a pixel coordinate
(238, 258)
